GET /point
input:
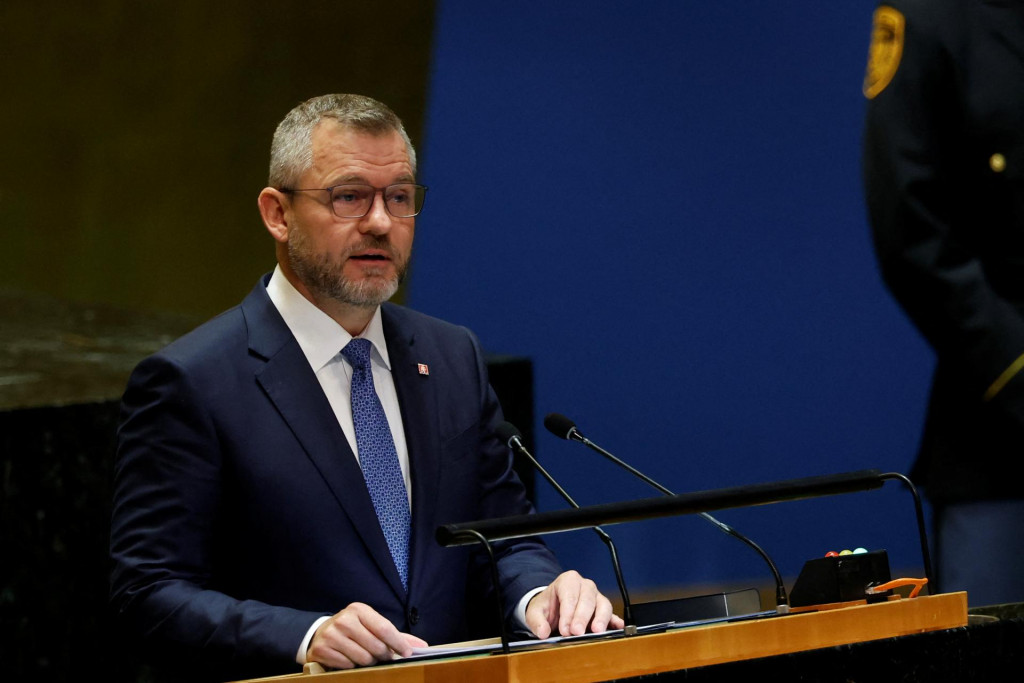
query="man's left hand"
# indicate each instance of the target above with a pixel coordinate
(571, 603)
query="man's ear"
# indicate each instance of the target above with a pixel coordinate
(272, 210)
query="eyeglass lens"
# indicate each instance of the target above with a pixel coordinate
(402, 200)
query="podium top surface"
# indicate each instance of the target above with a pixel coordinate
(676, 649)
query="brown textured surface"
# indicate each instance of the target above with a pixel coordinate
(136, 135)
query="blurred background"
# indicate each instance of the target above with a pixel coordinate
(659, 205)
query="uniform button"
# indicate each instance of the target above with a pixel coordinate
(997, 162)
(414, 616)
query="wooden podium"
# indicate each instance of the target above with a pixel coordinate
(683, 648)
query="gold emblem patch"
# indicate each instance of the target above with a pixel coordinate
(885, 51)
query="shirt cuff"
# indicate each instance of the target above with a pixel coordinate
(300, 656)
(520, 613)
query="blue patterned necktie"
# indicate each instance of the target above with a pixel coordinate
(378, 458)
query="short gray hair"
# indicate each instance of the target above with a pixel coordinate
(291, 152)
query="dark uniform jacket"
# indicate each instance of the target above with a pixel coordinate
(944, 173)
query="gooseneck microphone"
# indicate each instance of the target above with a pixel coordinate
(564, 428)
(511, 436)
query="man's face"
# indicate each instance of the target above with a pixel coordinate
(356, 261)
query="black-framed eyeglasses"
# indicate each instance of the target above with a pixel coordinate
(354, 200)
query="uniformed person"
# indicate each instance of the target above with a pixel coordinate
(944, 174)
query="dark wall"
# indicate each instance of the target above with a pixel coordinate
(54, 525)
(135, 135)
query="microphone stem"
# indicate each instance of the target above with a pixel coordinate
(781, 599)
(637, 473)
(627, 610)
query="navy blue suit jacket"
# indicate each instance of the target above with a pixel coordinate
(240, 512)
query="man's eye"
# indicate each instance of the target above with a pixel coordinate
(400, 194)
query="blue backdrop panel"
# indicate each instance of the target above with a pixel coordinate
(660, 203)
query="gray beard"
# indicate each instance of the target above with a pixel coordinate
(326, 279)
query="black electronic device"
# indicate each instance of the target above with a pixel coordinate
(698, 608)
(841, 578)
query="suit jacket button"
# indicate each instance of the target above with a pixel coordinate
(414, 616)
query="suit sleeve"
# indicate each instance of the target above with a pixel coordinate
(918, 169)
(167, 490)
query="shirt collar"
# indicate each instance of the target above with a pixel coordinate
(318, 335)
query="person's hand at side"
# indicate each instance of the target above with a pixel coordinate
(358, 636)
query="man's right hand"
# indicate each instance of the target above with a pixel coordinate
(358, 636)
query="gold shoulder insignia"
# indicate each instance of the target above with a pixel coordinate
(885, 51)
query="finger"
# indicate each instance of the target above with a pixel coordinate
(334, 650)
(568, 598)
(347, 648)
(585, 608)
(602, 615)
(332, 659)
(538, 614)
(617, 622)
(381, 637)
(412, 641)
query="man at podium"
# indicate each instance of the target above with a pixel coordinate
(281, 470)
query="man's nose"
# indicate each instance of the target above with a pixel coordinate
(377, 221)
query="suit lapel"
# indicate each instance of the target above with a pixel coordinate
(292, 386)
(418, 401)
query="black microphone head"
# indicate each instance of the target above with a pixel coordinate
(560, 425)
(507, 431)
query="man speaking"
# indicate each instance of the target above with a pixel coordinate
(281, 470)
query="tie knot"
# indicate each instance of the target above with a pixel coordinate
(357, 352)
